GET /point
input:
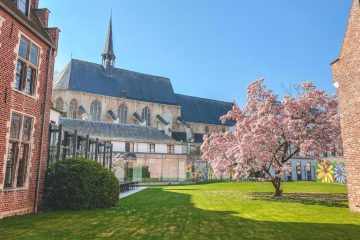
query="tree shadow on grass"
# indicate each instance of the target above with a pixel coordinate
(338, 200)
(156, 213)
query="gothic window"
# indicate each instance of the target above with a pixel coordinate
(27, 67)
(18, 151)
(59, 104)
(122, 114)
(146, 115)
(207, 131)
(73, 108)
(95, 110)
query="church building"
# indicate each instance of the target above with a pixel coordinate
(104, 93)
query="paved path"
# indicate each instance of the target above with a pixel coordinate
(131, 192)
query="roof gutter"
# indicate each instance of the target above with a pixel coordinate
(33, 30)
(43, 126)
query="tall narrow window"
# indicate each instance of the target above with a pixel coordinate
(207, 131)
(151, 148)
(146, 115)
(18, 150)
(298, 171)
(26, 67)
(170, 149)
(123, 113)
(73, 109)
(59, 104)
(95, 110)
(129, 147)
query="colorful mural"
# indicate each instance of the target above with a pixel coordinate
(330, 172)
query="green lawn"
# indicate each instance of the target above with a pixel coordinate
(210, 211)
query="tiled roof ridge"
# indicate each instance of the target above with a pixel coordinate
(202, 98)
(121, 69)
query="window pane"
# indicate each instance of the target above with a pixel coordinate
(59, 104)
(23, 159)
(10, 164)
(24, 45)
(95, 111)
(15, 126)
(146, 115)
(19, 69)
(73, 107)
(34, 55)
(123, 114)
(30, 73)
(22, 5)
(27, 129)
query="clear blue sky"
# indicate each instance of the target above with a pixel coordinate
(208, 48)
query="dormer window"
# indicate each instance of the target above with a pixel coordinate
(23, 6)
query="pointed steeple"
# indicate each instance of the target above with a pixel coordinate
(108, 54)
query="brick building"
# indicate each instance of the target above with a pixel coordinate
(346, 78)
(27, 52)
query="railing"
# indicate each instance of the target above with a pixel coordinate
(68, 144)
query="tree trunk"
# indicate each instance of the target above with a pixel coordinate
(277, 184)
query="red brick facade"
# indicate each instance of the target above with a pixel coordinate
(346, 77)
(13, 24)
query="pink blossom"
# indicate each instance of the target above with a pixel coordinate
(269, 132)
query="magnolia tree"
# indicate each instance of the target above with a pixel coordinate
(269, 132)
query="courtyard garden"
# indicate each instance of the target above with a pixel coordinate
(225, 210)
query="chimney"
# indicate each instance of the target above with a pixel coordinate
(54, 34)
(43, 14)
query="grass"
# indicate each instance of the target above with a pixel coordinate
(210, 211)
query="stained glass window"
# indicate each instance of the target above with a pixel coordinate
(73, 109)
(59, 104)
(123, 113)
(95, 110)
(146, 115)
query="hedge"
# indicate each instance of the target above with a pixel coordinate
(76, 183)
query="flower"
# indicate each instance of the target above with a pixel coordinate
(339, 173)
(325, 172)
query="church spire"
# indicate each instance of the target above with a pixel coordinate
(108, 56)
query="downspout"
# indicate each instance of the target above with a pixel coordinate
(43, 126)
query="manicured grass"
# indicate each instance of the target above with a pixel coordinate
(210, 211)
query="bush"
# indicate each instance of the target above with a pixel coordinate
(74, 184)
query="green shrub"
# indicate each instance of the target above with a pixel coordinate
(76, 183)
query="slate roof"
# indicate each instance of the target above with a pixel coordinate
(201, 110)
(90, 78)
(33, 20)
(116, 132)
